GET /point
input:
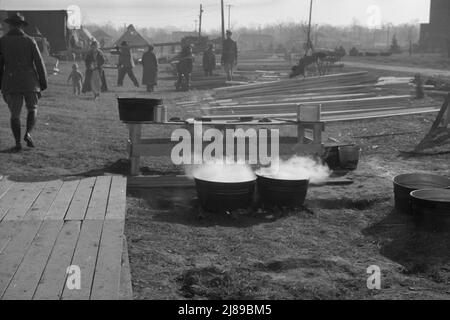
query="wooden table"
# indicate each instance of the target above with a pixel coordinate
(308, 139)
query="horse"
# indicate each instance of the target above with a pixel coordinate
(306, 61)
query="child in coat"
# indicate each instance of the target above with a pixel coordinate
(77, 79)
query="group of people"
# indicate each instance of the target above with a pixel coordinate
(126, 65)
(228, 59)
(95, 79)
(23, 75)
(186, 62)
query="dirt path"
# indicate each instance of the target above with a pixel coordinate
(411, 70)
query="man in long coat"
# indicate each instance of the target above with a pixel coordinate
(150, 69)
(23, 76)
(209, 60)
(95, 79)
(229, 55)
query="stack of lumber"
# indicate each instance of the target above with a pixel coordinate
(296, 85)
(337, 104)
(347, 96)
(274, 64)
(215, 81)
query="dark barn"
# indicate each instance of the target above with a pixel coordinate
(52, 24)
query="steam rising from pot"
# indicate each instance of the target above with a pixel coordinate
(220, 172)
(297, 168)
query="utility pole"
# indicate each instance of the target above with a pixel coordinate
(388, 38)
(229, 15)
(309, 42)
(195, 28)
(223, 20)
(200, 22)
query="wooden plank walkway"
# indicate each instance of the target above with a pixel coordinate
(50, 228)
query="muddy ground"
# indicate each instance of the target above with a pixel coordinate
(321, 251)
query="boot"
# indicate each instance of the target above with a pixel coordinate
(15, 128)
(31, 121)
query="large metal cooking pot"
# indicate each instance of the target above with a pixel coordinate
(225, 196)
(138, 109)
(431, 209)
(280, 192)
(404, 184)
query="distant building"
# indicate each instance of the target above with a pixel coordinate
(104, 39)
(435, 36)
(248, 41)
(178, 35)
(51, 24)
(132, 37)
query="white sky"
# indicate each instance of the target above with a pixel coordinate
(182, 13)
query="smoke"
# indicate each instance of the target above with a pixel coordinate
(221, 172)
(297, 168)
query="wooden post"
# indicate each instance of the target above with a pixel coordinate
(229, 16)
(317, 133)
(446, 119)
(135, 134)
(200, 23)
(441, 119)
(309, 42)
(223, 20)
(300, 126)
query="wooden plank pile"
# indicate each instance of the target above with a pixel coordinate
(341, 96)
(334, 83)
(271, 63)
(343, 103)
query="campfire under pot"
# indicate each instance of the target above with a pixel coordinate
(225, 196)
(275, 192)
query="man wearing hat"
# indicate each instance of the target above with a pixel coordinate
(126, 65)
(229, 55)
(23, 76)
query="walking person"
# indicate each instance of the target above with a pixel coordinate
(184, 68)
(150, 69)
(95, 79)
(126, 65)
(23, 77)
(229, 55)
(209, 60)
(77, 79)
